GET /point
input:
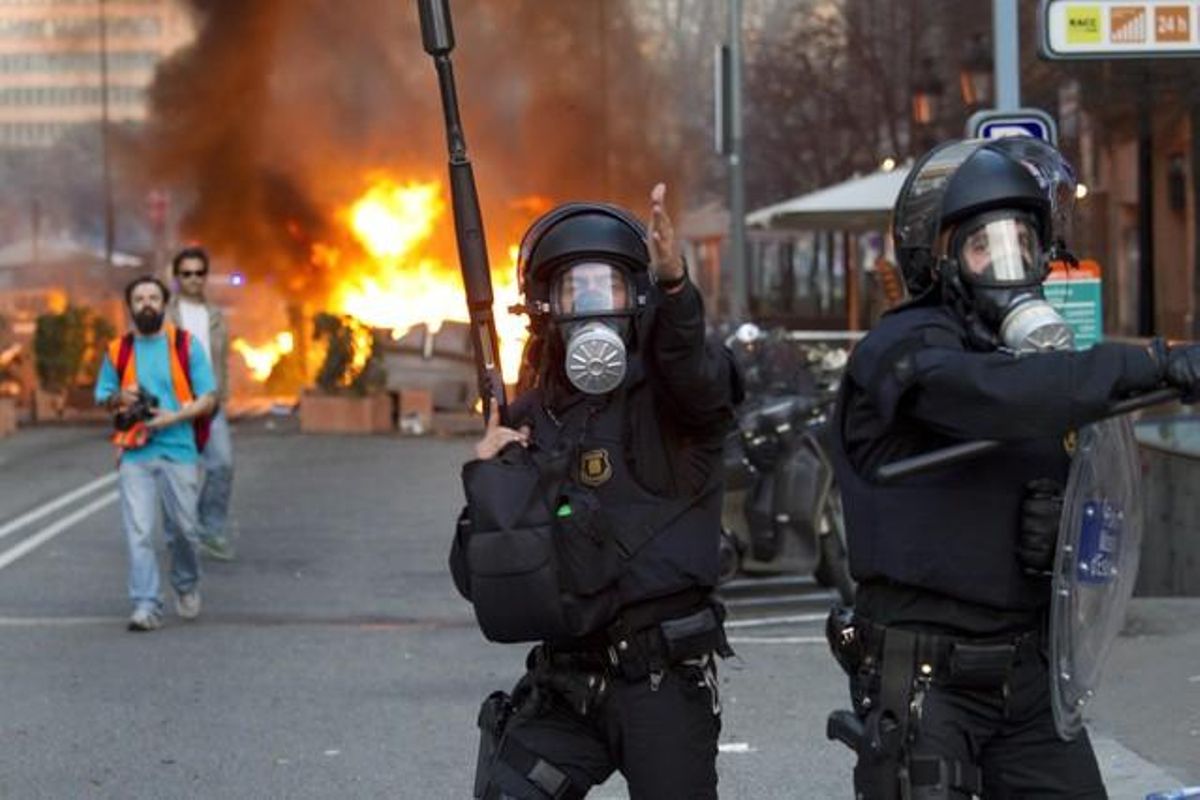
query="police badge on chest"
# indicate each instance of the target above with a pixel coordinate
(595, 467)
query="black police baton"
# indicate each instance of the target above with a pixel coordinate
(968, 450)
(438, 38)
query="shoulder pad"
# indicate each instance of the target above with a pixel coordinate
(920, 326)
(882, 363)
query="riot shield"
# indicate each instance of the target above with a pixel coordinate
(1099, 542)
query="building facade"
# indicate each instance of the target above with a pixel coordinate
(57, 57)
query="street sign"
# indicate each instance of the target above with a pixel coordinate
(1077, 29)
(1076, 294)
(993, 124)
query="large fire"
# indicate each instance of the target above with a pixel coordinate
(400, 284)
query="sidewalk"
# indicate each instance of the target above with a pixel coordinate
(1149, 698)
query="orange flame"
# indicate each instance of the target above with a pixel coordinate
(262, 359)
(401, 286)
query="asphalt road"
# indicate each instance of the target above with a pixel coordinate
(334, 659)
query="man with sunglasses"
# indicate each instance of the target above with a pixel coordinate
(190, 310)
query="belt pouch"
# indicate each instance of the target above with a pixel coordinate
(981, 666)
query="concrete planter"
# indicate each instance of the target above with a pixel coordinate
(323, 413)
(1170, 450)
(48, 406)
(8, 416)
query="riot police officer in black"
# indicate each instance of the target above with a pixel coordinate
(946, 647)
(593, 519)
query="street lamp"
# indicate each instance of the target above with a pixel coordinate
(927, 94)
(975, 73)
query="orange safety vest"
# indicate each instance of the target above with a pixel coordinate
(121, 355)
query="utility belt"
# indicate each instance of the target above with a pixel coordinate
(952, 661)
(646, 639)
(631, 649)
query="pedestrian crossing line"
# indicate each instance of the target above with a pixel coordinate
(59, 622)
(54, 505)
(777, 640)
(762, 622)
(49, 532)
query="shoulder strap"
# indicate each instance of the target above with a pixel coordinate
(183, 352)
(124, 355)
(631, 540)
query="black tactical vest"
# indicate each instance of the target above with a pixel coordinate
(668, 544)
(952, 530)
(557, 539)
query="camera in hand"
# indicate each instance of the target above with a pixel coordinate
(141, 410)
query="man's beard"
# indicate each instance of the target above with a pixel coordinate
(148, 321)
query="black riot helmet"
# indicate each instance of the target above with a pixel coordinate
(586, 235)
(976, 225)
(962, 179)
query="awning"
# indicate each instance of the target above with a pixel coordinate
(60, 250)
(862, 203)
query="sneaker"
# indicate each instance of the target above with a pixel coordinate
(187, 604)
(220, 549)
(144, 619)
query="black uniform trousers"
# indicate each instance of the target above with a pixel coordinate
(1007, 732)
(663, 740)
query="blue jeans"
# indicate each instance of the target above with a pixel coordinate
(144, 487)
(218, 479)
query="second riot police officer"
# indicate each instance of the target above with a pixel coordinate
(593, 519)
(946, 649)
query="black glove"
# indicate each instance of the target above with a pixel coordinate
(1179, 366)
(1041, 510)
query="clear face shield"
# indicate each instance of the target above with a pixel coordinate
(593, 304)
(1000, 249)
(1001, 262)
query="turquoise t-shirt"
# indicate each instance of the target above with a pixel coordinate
(152, 359)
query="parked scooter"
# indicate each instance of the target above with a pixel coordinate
(782, 511)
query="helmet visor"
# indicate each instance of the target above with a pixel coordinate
(999, 250)
(590, 288)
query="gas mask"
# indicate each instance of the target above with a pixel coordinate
(1000, 269)
(592, 305)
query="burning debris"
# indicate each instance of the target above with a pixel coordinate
(261, 360)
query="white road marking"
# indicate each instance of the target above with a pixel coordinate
(761, 622)
(54, 505)
(777, 640)
(736, 747)
(58, 622)
(49, 532)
